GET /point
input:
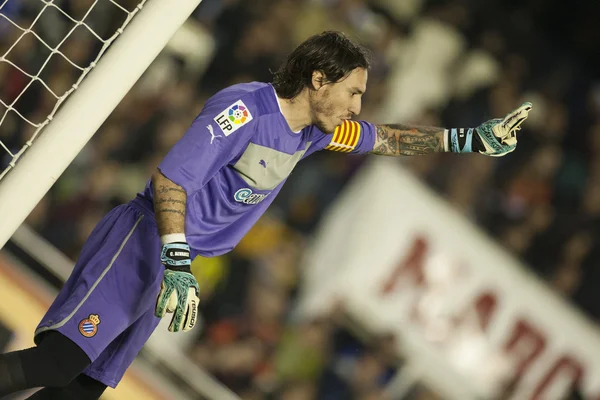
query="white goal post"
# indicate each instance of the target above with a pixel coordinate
(87, 108)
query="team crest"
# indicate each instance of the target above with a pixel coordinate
(233, 118)
(88, 327)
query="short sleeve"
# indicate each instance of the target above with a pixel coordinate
(354, 137)
(215, 138)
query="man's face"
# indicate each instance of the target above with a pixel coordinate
(332, 103)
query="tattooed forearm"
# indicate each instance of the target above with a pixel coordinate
(408, 140)
(169, 205)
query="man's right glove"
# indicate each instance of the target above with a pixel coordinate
(496, 137)
(179, 289)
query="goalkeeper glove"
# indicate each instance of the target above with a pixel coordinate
(179, 289)
(496, 137)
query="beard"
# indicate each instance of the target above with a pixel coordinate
(322, 111)
(323, 126)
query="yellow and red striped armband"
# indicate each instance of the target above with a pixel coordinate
(345, 138)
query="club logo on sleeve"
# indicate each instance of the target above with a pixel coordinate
(247, 196)
(88, 327)
(233, 118)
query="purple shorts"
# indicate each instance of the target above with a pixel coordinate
(107, 305)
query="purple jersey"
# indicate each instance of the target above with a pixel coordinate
(232, 162)
(235, 157)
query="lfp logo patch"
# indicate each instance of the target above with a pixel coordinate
(88, 327)
(247, 196)
(233, 118)
(238, 114)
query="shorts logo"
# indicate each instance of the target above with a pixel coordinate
(246, 196)
(233, 118)
(88, 327)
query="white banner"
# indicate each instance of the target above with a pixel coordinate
(474, 321)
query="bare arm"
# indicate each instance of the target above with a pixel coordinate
(408, 140)
(169, 205)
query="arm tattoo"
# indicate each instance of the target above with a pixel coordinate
(169, 210)
(170, 202)
(162, 189)
(408, 140)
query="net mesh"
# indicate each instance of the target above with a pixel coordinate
(47, 48)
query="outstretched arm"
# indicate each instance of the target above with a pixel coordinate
(408, 140)
(495, 137)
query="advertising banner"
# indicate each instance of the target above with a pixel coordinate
(472, 319)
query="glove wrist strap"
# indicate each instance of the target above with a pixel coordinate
(176, 255)
(460, 140)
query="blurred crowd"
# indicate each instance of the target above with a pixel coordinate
(435, 62)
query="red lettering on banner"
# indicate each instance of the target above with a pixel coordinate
(527, 343)
(413, 263)
(524, 344)
(564, 366)
(485, 306)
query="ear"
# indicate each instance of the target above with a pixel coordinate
(318, 80)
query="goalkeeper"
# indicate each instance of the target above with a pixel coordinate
(209, 190)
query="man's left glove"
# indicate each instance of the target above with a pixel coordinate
(179, 289)
(496, 137)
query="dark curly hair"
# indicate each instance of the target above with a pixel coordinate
(330, 52)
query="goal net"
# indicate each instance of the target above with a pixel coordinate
(54, 96)
(40, 66)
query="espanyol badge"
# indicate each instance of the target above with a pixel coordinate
(88, 327)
